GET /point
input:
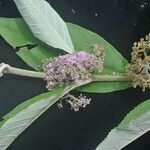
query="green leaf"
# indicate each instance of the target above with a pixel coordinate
(134, 125)
(16, 33)
(31, 57)
(83, 39)
(45, 23)
(136, 113)
(23, 115)
(104, 87)
(35, 56)
(15, 122)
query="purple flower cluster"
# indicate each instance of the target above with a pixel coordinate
(70, 68)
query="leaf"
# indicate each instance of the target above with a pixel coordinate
(45, 23)
(16, 33)
(138, 111)
(134, 125)
(104, 87)
(35, 56)
(83, 39)
(24, 114)
(31, 57)
(15, 122)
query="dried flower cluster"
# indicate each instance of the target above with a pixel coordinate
(139, 68)
(71, 67)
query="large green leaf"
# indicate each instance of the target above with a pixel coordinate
(83, 39)
(45, 23)
(16, 33)
(23, 115)
(15, 122)
(134, 125)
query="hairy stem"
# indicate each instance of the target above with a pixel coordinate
(110, 78)
(5, 68)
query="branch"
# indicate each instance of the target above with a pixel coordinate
(5, 68)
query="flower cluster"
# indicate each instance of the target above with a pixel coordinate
(74, 102)
(77, 103)
(139, 68)
(71, 67)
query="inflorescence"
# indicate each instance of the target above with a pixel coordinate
(139, 68)
(69, 68)
(75, 102)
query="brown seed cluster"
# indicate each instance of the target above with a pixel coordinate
(139, 68)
